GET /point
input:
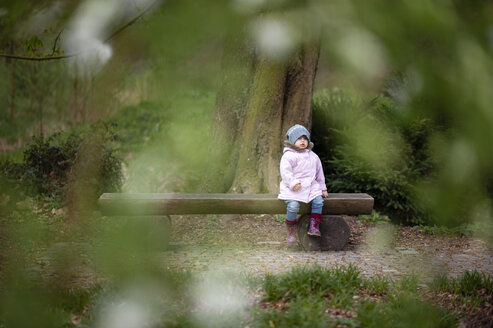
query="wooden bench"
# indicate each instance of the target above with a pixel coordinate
(335, 231)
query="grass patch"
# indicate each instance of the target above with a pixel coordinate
(469, 284)
(306, 281)
(403, 310)
(213, 219)
(408, 284)
(378, 285)
(442, 230)
(472, 289)
(279, 218)
(374, 217)
(308, 311)
(321, 297)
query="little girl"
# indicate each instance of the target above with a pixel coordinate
(303, 180)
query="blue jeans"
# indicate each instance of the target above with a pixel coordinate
(293, 207)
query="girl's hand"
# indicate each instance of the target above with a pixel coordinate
(325, 194)
(297, 187)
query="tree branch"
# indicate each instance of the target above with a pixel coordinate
(110, 37)
(53, 50)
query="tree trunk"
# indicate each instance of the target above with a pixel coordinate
(236, 65)
(280, 96)
(40, 106)
(261, 134)
(75, 96)
(40, 117)
(299, 88)
(12, 92)
(84, 94)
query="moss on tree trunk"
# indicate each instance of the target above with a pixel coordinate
(299, 88)
(252, 118)
(257, 169)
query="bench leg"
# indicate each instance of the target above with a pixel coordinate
(334, 231)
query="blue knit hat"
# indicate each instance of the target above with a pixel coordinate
(297, 131)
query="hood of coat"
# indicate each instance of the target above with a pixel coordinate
(289, 145)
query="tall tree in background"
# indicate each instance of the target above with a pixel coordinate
(280, 96)
(262, 95)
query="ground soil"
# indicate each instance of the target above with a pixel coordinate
(256, 244)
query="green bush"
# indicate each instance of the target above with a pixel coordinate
(141, 124)
(390, 174)
(47, 163)
(83, 160)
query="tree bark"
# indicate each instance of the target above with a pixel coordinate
(83, 95)
(299, 87)
(257, 169)
(40, 117)
(12, 92)
(40, 106)
(249, 146)
(253, 114)
(75, 96)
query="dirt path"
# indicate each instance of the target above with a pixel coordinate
(256, 245)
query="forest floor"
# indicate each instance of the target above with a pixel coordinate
(256, 245)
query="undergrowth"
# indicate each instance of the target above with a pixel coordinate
(346, 125)
(82, 163)
(301, 297)
(374, 217)
(443, 230)
(322, 297)
(472, 288)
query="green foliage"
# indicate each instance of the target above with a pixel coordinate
(403, 310)
(378, 285)
(32, 45)
(47, 163)
(391, 175)
(141, 124)
(307, 311)
(303, 297)
(75, 300)
(53, 165)
(408, 284)
(279, 218)
(307, 292)
(213, 219)
(384, 285)
(443, 230)
(374, 217)
(471, 284)
(166, 142)
(304, 281)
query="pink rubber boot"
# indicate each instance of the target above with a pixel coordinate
(291, 233)
(315, 219)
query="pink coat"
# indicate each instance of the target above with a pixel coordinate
(301, 167)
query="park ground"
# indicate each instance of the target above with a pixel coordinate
(376, 248)
(379, 250)
(242, 264)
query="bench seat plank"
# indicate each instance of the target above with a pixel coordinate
(172, 204)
